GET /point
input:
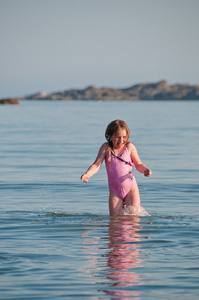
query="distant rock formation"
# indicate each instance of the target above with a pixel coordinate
(144, 91)
(9, 101)
(37, 96)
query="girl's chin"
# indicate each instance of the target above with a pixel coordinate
(119, 146)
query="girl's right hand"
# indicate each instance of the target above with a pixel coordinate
(84, 178)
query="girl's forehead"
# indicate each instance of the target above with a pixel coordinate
(121, 131)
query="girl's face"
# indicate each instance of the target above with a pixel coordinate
(120, 138)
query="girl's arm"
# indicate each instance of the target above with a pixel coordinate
(137, 161)
(94, 168)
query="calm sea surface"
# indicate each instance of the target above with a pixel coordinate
(57, 240)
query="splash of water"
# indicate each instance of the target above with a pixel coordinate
(135, 211)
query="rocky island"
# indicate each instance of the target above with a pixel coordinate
(144, 91)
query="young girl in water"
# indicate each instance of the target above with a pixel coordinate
(120, 156)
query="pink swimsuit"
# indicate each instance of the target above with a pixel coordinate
(120, 173)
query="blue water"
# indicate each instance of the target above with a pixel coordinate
(57, 239)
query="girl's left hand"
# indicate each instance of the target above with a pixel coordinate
(147, 172)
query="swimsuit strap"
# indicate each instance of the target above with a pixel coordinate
(117, 157)
(126, 162)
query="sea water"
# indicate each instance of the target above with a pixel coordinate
(57, 238)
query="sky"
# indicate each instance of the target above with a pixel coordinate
(54, 45)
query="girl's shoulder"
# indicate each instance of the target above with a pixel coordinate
(130, 146)
(105, 147)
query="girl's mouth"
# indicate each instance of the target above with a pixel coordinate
(120, 145)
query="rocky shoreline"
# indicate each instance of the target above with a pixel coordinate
(144, 91)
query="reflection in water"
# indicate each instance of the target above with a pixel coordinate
(121, 257)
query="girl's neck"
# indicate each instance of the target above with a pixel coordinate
(118, 151)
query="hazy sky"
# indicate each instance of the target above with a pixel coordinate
(54, 45)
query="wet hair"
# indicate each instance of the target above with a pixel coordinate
(112, 129)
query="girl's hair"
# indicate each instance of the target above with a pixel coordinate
(112, 129)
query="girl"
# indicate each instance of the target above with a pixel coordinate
(120, 156)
